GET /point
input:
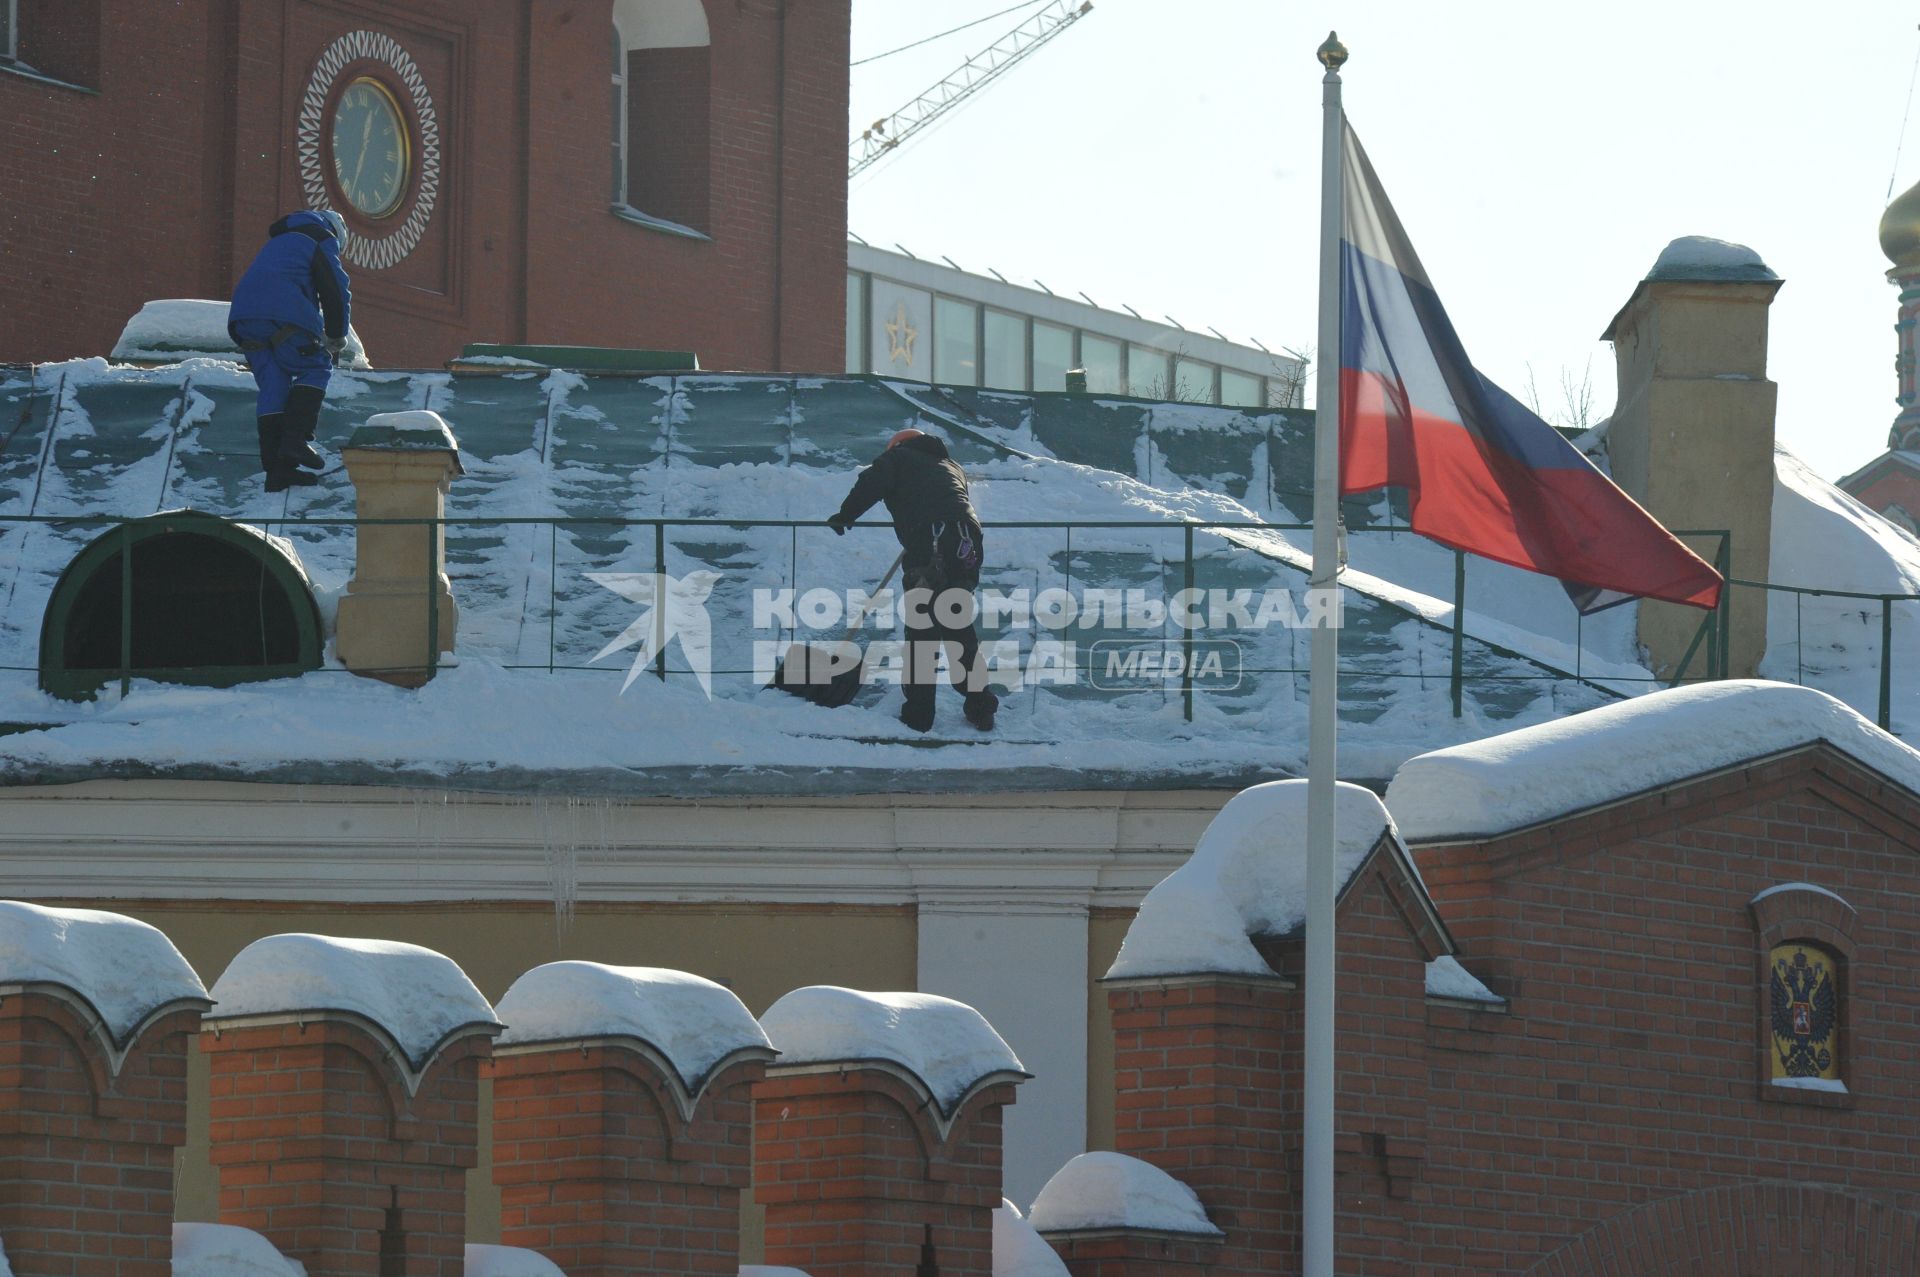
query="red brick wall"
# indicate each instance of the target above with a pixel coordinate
(320, 1147)
(856, 1180)
(162, 184)
(86, 1154)
(600, 1173)
(1896, 485)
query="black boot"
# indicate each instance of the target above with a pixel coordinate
(979, 708)
(302, 419)
(918, 714)
(270, 428)
(283, 476)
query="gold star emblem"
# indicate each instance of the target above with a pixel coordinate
(900, 335)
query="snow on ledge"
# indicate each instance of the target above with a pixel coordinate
(948, 1045)
(767, 1270)
(1508, 782)
(1446, 978)
(125, 969)
(1703, 257)
(1018, 1248)
(1247, 877)
(417, 996)
(508, 1261)
(1112, 1190)
(692, 1022)
(224, 1250)
(1777, 888)
(1832, 1085)
(173, 329)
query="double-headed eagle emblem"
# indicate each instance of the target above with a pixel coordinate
(1806, 1011)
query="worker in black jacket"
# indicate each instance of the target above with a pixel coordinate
(941, 544)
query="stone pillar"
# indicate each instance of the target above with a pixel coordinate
(610, 1160)
(1693, 430)
(877, 1139)
(93, 1092)
(1207, 1084)
(401, 464)
(345, 1103)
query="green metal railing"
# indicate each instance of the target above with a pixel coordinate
(1711, 638)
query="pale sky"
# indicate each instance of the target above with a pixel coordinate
(1166, 155)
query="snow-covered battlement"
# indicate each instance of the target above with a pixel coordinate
(226, 1250)
(124, 969)
(693, 1023)
(947, 1045)
(1523, 777)
(420, 998)
(1112, 1190)
(1247, 877)
(1018, 1248)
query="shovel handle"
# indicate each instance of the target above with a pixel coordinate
(861, 614)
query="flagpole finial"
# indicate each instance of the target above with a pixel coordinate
(1332, 54)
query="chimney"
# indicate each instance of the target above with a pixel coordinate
(398, 613)
(1692, 432)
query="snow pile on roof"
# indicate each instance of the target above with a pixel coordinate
(223, 1250)
(1703, 257)
(1112, 1190)
(1521, 778)
(1018, 1248)
(413, 428)
(693, 1022)
(125, 969)
(178, 328)
(1446, 978)
(1247, 877)
(946, 1044)
(508, 1261)
(416, 995)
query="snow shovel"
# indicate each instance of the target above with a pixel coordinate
(828, 674)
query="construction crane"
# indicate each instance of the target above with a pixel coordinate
(978, 71)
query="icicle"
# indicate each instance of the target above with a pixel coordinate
(563, 864)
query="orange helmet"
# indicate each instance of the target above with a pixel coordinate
(904, 435)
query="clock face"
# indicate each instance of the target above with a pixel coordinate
(371, 159)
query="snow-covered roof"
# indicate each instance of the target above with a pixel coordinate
(1588, 760)
(1446, 978)
(225, 1250)
(1018, 1248)
(1247, 877)
(1112, 1190)
(1701, 257)
(692, 1022)
(947, 1045)
(508, 1261)
(100, 439)
(418, 997)
(125, 969)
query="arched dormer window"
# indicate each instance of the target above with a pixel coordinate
(210, 602)
(661, 91)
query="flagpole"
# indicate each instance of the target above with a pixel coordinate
(1323, 707)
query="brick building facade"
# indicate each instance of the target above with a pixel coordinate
(149, 146)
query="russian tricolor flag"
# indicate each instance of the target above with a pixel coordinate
(1481, 472)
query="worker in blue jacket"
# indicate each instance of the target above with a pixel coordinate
(290, 316)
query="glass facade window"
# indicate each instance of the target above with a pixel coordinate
(1146, 373)
(1100, 356)
(956, 344)
(856, 322)
(901, 321)
(1193, 381)
(1006, 352)
(1241, 390)
(1052, 356)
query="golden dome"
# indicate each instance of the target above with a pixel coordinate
(1900, 229)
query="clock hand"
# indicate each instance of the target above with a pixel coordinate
(366, 135)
